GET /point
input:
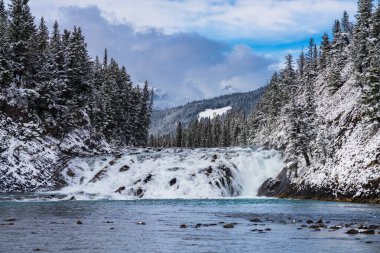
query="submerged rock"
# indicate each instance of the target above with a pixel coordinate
(229, 225)
(352, 232)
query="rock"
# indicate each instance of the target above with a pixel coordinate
(70, 173)
(72, 198)
(369, 242)
(139, 192)
(148, 178)
(299, 228)
(214, 157)
(112, 228)
(352, 232)
(317, 229)
(336, 227)
(124, 168)
(198, 225)
(368, 232)
(255, 220)
(112, 162)
(173, 182)
(373, 227)
(304, 226)
(101, 173)
(209, 170)
(268, 229)
(79, 222)
(314, 226)
(309, 221)
(10, 220)
(120, 189)
(37, 249)
(183, 226)
(229, 225)
(140, 223)
(347, 225)
(320, 221)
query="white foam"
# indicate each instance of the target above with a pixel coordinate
(250, 168)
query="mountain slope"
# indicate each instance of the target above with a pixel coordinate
(164, 121)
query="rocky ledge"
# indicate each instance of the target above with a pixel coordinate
(366, 190)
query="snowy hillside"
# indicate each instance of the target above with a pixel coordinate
(211, 113)
(171, 173)
(325, 115)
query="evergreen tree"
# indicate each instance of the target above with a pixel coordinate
(371, 87)
(347, 26)
(5, 71)
(361, 34)
(325, 55)
(178, 138)
(22, 33)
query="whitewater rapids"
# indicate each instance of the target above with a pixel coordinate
(171, 174)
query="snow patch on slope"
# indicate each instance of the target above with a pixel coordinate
(211, 113)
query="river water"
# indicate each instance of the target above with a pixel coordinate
(28, 225)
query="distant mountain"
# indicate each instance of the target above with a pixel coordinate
(164, 121)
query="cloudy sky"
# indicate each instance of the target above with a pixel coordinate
(195, 49)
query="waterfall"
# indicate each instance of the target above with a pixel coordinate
(171, 173)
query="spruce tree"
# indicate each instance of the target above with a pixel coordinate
(5, 70)
(325, 54)
(22, 33)
(178, 138)
(361, 34)
(371, 87)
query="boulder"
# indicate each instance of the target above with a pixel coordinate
(352, 232)
(120, 189)
(173, 182)
(124, 168)
(229, 225)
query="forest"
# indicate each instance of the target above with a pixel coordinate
(48, 79)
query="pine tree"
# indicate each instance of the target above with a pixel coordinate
(178, 138)
(371, 87)
(22, 33)
(42, 45)
(325, 55)
(362, 32)
(5, 71)
(56, 54)
(347, 26)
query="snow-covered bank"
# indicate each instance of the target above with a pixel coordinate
(171, 173)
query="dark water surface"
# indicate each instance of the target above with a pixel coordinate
(52, 226)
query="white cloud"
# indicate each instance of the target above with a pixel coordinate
(254, 19)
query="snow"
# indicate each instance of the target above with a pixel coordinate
(249, 167)
(211, 113)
